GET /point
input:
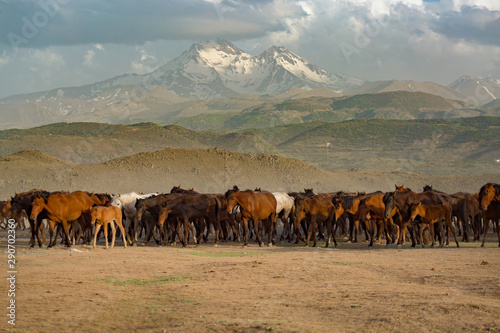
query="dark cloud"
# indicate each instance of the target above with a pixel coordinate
(472, 24)
(64, 22)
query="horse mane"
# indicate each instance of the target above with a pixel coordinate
(234, 189)
(495, 186)
(387, 195)
(347, 202)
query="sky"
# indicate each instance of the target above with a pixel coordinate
(46, 44)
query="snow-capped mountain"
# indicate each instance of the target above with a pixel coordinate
(476, 90)
(219, 69)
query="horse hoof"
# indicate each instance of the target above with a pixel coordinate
(370, 247)
(270, 245)
(260, 244)
(216, 245)
(244, 246)
(134, 245)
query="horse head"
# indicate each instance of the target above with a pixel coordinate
(415, 210)
(37, 206)
(389, 203)
(427, 188)
(231, 198)
(487, 194)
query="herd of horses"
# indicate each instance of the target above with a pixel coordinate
(242, 214)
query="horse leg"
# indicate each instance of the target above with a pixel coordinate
(186, 232)
(105, 226)
(314, 225)
(122, 229)
(270, 229)
(421, 234)
(113, 232)
(450, 226)
(33, 233)
(245, 231)
(370, 226)
(96, 232)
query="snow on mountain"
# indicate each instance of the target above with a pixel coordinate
(476, 90)
(219, 69)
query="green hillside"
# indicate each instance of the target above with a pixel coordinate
(433, 146)
(386, 105)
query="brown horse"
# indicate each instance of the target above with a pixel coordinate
(21, 204)
(374, 206)
(431, 214)
(320, 211)
(190, 207)
(256, 206)
(350, 205)
(488, 193)
(63, 207)
(492, 213)
(101, 216)
(200, 223)
(153, 205)
(403, 201)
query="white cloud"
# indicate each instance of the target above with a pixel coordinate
(146, 63)
(88, 58)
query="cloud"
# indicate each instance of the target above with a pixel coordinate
(89, 58)
(146, 63)
(134, 22)
(473, 24)
(389, 39)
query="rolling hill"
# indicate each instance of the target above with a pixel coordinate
(206, 170)
(431, 146)
(385, 105)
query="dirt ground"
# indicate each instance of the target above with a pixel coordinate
(228, 288)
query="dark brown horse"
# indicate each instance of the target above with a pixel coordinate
(63, 207)
(488, 193)
(200, 223)
(21, 204)
(256, 206)
(319, 211)
(153, 205)
(190, 207)
(492, 214)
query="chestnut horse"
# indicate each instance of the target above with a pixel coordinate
(320, 211)
(102, 215)
(374, 206)
(256, 206)
(63, 207)
(431, 214)
(350, 205)
(488, 193)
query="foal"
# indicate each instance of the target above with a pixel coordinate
(101, 216)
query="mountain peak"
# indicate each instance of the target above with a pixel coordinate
(220, 45)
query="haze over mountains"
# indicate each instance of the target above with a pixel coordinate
(219, 71)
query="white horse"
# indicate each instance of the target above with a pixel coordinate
(284, 206)
(126, 202)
